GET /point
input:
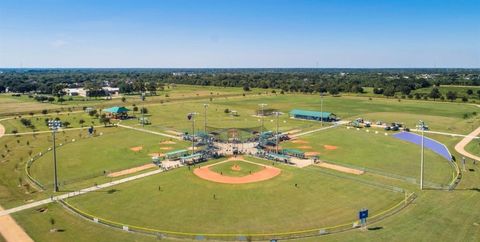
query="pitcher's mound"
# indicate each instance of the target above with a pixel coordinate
(236, 168)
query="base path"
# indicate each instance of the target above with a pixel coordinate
(460, 147)
(267, 173)
(341, 168)
(2, 130)
(132, 170)
(149, 131)
(11, 231)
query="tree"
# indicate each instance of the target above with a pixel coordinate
(66, 124)
(144, 110)
(124, 99)
(464, 99)
(246, 87)
(333, 91)
(389, 92)
(92, 112)
(81, 122)
(452, 96)
(135, 109)
(51, 99)
(470, 91)
(105, 120)
(435, 93)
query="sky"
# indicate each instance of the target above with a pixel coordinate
(240, 33)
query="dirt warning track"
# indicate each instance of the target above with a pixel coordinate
(267, 173)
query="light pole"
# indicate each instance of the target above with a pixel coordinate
(262, 105)
(191, 116)
(143, 114)
(205, 106)
(421, 126)
(277, 134)
(321, 108)
(54, 125)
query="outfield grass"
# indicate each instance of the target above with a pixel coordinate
(89, 157)
(236, 168)
(270, 206)
(376, 152)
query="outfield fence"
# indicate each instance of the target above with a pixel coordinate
(239, 236)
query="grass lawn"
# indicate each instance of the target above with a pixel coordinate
(90, 157)
(73, 228)
(269, 206)
(375, 151)
(236, 168)
(473, 147)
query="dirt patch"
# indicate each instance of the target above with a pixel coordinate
(131, 170)
(299, 141)
(341, 168)
(305, 147)
(190, 148)
(11, 231)
(267, 173)
(236, 168)
(330, 147)
(156, 154)
(136, 148)
(312, 153)
(168, 142)
(167, 148)
(174, 132)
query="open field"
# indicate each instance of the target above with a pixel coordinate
(83, 162)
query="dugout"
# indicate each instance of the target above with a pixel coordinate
(176, 154)
(294, 152)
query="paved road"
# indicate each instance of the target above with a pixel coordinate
(460, 147)
(150, 132)
(76, 193)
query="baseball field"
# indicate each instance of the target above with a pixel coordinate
(188, 203)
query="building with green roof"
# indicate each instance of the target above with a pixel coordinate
(313, 115)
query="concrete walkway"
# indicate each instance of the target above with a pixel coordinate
(320, 129)
(460, 147)
(77, 193)
(149, 131)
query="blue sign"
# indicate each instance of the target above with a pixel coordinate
(363, 214)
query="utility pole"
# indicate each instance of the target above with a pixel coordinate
(421, 126)
(54, 125)
(205, 114)
(143, 114)
(192, 117)
(277, 134)
(321, 108)
(262, 105)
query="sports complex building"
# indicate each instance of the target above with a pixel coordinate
(313, 115)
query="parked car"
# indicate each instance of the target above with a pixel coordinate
(395, 128)
(388, 128)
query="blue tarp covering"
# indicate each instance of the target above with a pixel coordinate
(431, 144)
